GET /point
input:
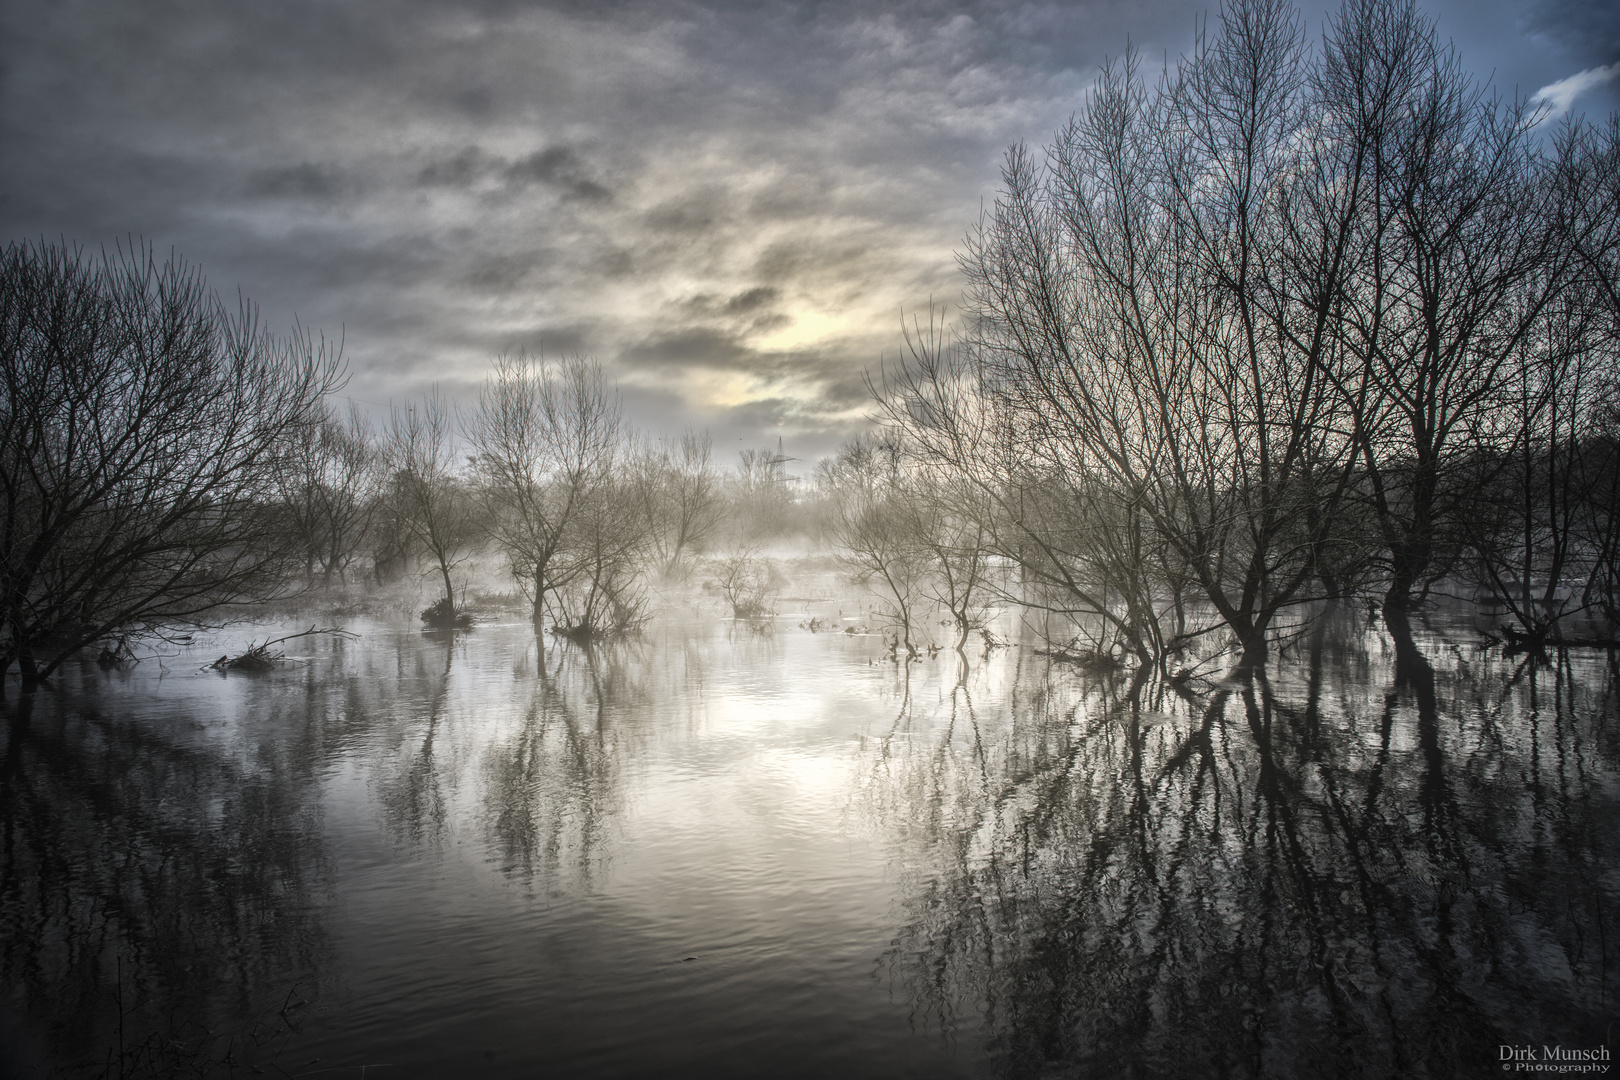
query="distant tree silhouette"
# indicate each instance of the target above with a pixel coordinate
(678, 491)
(328, 485)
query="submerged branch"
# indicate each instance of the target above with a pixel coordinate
(264, 656)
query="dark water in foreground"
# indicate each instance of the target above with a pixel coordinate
(725, 853)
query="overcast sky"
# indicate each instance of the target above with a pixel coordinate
(729, 205)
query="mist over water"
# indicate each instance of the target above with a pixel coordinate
(745, 850)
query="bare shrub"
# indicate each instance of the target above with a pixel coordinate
(549, 439)
(745, 580)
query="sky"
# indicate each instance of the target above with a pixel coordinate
(731, 206)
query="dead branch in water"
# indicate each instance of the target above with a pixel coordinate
(260, 657)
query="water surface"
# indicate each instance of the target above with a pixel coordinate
(734, 851)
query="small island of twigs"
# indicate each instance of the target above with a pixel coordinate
(266, 657)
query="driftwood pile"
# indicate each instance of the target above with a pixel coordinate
(1518, 642)
(444, 615)
(1087, 659)
(118, 654)
(266, 657)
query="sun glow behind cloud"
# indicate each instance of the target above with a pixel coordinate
(804, 329)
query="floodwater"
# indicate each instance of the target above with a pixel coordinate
(731, 851)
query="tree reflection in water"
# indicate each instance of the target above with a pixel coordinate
(153, 892)
(542, 767)
(1380, 863)
(412, 788)
(552, 782)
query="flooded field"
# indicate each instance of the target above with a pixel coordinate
(728, 850)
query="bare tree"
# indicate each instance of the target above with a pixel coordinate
(744, 578)
(327, 484)
(1251, 336)
(1155, 331)
(1544, 540)
(679, 495)
(428, 498)
(1086, 557)
(547, 436)
(1454, 264)
(600, 591)
(1531, 546)
(1587, 193)
(952, 525)
(142, 427)
(760, 495)
(874, 521)
(1600, 461)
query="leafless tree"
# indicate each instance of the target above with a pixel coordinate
(953, 527)
(141, 431)
(1531, 545)
(1600, 461)
(1250, 336)
(548, 436)
(328, 487)
(1085, 557)
(600, 591)
(875, 520)
(1543, 542)
(744, 578)
(679, 494)
(429, 499)
(1156, 330)
(1587, 196)
(1454, 263)
(760, 493)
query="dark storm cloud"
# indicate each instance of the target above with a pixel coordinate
(730, 204)
(1586, 30)
(751, 300)
(704, 346)
(691, 213)
(463, 169)
(303, 181)
(750, 311)
(559, 167)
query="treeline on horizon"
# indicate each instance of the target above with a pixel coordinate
(1299, 322)
(165, 458)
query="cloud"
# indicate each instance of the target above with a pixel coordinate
(697, 346)
(1559, 96)
(1585, 29)
(752, 299)
(461, 170)
(729, 204)
(303, 180)
(561, 167)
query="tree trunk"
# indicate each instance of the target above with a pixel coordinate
(1254, 650)
(1253, 644)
